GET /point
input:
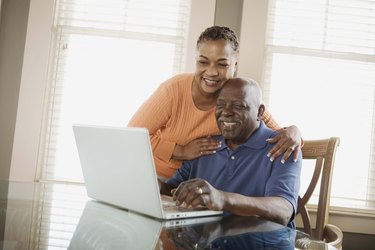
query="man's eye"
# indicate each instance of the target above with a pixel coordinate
(240, 107)
(219, 105)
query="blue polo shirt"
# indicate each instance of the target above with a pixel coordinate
(246, 170)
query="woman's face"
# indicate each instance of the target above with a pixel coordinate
(215, 62)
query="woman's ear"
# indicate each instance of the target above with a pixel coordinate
(260, 112)
(235, 69)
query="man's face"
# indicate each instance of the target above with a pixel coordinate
(215, 63)
(236, 115)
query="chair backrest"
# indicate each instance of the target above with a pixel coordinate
(323, 152)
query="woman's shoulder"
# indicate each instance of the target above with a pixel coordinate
(180, 81)
(178, 84)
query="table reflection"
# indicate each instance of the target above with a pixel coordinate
(105, 227)
(60, 216)
(233, 232)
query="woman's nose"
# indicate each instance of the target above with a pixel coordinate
(212, 70)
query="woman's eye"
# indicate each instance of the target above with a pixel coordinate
(223, 65)
(203, 62)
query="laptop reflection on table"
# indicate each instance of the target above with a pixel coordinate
(102, 226)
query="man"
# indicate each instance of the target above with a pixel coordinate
(239, 178)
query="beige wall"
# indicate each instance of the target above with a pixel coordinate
(24, 47)
(32, 91)
(12, 43)
(253, 32)
(228, 13)
(200, 19)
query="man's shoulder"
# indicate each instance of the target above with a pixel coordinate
(258, 140)
(268, 132)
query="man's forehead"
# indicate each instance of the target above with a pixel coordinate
(234, 88)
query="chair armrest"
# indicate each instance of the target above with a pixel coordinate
(333, 236)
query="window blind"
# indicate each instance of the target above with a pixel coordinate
(54, 220)
(108, 56)
(320, 75)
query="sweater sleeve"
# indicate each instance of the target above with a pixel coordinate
(270, 121)
(154, 114)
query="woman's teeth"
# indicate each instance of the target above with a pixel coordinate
(210, 82)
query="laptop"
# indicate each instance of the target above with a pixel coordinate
(118, 169)
(106, 227)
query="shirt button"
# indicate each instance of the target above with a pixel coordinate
(232, 157)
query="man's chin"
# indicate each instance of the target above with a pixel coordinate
(228, 135)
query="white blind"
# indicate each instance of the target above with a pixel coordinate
(320, 75)
(55, 215)
(108, 57)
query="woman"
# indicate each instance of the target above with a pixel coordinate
(180, 114)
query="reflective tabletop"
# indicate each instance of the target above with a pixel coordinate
(61, 216)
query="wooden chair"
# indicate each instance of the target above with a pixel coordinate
(323, 153)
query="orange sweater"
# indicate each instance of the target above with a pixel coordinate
(172, 118)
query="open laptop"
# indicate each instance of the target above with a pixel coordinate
(106, 227)
(118, 168)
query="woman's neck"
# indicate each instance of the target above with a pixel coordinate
(203, 101)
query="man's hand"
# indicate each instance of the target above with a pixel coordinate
(196, 148)
(288, 140)
(198, 192)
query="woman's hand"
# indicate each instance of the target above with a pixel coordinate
(288, 140)
(196, 148)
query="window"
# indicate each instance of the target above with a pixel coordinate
(320, 75)
(108, 57)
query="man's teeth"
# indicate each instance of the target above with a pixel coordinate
(229, 123)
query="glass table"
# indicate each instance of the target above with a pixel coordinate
(61, 216)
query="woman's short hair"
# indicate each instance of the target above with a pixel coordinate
(215, 33)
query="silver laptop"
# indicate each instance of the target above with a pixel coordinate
(118, 168)
(106, 227)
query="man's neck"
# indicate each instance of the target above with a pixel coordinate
(234, 143)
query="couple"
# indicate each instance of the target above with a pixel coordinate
(180, 117)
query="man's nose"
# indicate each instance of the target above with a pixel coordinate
(227, 111)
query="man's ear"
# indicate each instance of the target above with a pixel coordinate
(261, 111)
